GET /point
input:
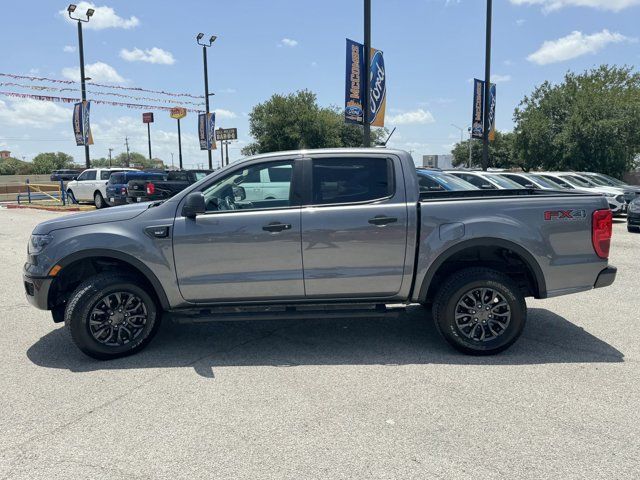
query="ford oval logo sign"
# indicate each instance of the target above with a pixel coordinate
(378, 86)
(353, 111)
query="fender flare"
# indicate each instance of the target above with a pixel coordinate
(524, 254)
(123, 257)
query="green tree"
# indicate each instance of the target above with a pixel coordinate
(135, 160)
(296, 121)
(47, 162)
(501, 152)
(13, 166)
(587, 122)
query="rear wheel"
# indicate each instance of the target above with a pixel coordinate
(633, 229)
(98, 200)
(110, 316)
(480, 311)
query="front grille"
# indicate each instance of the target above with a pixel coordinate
(28, 286)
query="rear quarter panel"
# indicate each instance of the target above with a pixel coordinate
(561, 247)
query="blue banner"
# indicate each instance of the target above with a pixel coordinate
(377, 89)
(477, 126)
(354, 85)
(77, 123)
(206, 131)
(202, 130)
(86, 126)
(492, 112)
(211, 132)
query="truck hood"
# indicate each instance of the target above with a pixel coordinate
(114, 214)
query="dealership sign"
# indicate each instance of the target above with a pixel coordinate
(477, 124)
(227, 134)
(81, 125)
(178, 113)
(147, 117)
(354, 86)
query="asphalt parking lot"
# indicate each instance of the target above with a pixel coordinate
(383, 399)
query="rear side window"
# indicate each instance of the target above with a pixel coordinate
(348, 180)
(116, 178)
(428, 184)
(178, 176)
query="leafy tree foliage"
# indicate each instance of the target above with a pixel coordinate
(501, 152)
(590, 121)
(296, 121)
(45, 163)
(136, 159)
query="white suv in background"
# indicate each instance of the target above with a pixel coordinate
(91, 185)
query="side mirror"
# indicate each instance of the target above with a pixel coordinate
(194, 205)
(239, 193)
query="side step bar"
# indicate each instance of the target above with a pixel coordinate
(282, 312)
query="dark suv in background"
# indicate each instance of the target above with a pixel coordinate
(117, 191)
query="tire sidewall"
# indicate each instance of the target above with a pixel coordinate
(78, 321)
(98, 200)
(451, 332)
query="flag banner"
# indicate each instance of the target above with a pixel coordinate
(354, 86)
(492, 112)
(477, 124)
(478, 108)
(377, 89)
(77, 123)
(86, 125)
(71, 82)
(211, 132)
(47, 98)
(202, 131)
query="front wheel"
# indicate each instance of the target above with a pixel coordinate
(110, 316)
(631, 229)
(480, 311)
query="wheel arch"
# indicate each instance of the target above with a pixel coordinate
(118, 258)
(495, 245)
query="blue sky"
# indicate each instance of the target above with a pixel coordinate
(432, 49)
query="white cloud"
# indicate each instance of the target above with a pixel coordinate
(414, 116)
(314, 64)
(497, 78)
(520, 22)
(150, 55)
(288, 42)
(32, 113)
(574, 45)
(99, 72)
(69, 49)
(104, 17)
(551, 5)
(221, 113)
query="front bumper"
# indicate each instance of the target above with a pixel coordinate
(606, 277)
(115, 201)
(633, 219)
(37, 290)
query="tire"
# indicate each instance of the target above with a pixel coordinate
(71, 196)
(103, 336)
(485, 330)
(631, 229)
(98, 200)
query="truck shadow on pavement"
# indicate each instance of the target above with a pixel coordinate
(410, 339)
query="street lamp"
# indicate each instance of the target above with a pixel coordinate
(70, 9)
(212, 39)
(461, 132)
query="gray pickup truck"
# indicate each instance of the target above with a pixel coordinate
(350, 235)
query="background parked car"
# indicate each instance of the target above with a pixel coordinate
(161, 189)
(435, 180)
(633, 216)
(630, 192)
(532, 180)
(91, 185)
(65, 174)
(615, 197)
(486, 180)
(117, 192)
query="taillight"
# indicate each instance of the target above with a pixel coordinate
(123, 191)
(601, 232)
(151, 188)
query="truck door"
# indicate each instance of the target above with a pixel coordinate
(354, 227)
(241, 249)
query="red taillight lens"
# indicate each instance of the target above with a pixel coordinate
(151, 188)
(123, 191)
(601, 232)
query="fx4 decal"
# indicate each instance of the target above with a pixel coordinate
(550, 215)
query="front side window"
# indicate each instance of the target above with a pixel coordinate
(251, 188)
(349, 180)
(89, 175)
(428, 184)
(525, 182)
(476, 181)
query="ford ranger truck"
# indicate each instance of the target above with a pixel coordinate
(350, 236)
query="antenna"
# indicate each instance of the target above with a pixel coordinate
(387, 140)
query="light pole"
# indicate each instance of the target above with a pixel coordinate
(470, 142)
(366, 141)
(206, 82)
(461, 132)
(70, 9)
(487, 89)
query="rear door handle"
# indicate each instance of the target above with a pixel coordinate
(276, 227)
(381, 220)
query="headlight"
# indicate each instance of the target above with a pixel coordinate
(37, 243)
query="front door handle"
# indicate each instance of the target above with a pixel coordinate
(381, 220)
(276, 227)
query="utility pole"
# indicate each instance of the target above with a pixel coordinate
(171, 160)
(487, 90)
(226, 150)
(470, 142)
(83, 89)
(221, 151)
(126, 142)
(110, 150)
(149, 139)
(366, 141)
(206, 83)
